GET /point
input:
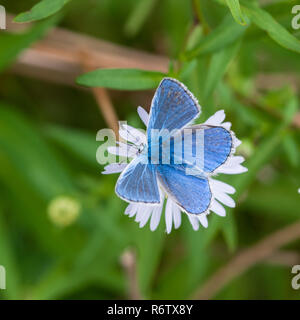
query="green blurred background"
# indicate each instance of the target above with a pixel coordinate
(249, 66)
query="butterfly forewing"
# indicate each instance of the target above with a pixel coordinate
(173, 106)
(138, 183)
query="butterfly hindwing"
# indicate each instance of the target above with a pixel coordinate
(217, 147)
(205, 147)
(190, 192)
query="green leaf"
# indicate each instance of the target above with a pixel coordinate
(41, 10)
(138, 16)
(218, 65)
(274, 29)
(235, 8)
(122, 79)
(292, 150)
(225, 34)
(13, 44)
(194, 37)
(289, 111)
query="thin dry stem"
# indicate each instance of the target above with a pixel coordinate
(246, 259)
(102, 97)
(128, 261)
(55, 57)
(106, 107)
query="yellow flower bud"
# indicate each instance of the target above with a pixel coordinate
(63, 210)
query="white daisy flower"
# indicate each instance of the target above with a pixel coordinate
(173, 213)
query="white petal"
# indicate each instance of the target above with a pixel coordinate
(168, 215)
(156, 214)
(194, 221)
(231, 170)
(113, 150)
(132, 150)
(143, 115)
(217, 208)
(226, 125)
(299, 190)
(203, 220)
(221, 186)
(125, 136)
(114, 168)
(128, 209)
(123, 150)
(140, 212)
(132, 134)
(216, 119)
(176, 216)
(236, 142)
(234, 161)
(224, 198)
(145, 216)
(131, 209)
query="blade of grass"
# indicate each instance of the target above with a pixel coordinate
(41, 10)
(218, 66)
(223, 35)
(235, 8)
(138, 16)
(122, 79)
(267, 23)
(292, 150)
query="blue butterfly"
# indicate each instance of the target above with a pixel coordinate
(173, 108)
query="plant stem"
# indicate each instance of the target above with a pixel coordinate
(199, 16)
